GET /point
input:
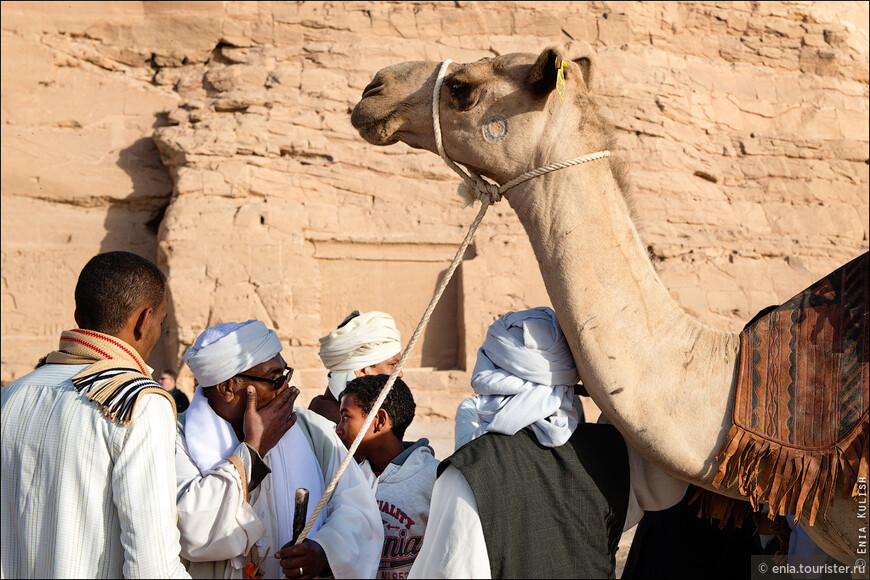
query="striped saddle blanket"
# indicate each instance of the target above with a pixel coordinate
(801, 404)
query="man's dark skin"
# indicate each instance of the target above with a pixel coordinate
(327, 406)
(379, 445)
(142, 330)
(260, 418)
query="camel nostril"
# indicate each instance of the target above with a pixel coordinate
(373, 88)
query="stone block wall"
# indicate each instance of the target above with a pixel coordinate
(214, 138)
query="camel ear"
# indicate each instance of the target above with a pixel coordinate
(582, 54)
(542, 77)
(585, 64)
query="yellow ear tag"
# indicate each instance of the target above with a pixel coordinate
(560, 80)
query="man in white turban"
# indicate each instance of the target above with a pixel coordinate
(534, 493)
(365, 343)
(241, 454)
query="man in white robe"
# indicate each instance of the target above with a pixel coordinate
(365, 343)
(87, 472)
(524, 379)
(240, 458)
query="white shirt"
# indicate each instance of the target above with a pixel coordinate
(83, 496)
(454, 546)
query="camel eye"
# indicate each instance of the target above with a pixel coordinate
(462, 95)
(459, 90)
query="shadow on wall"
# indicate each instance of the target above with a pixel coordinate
(402, 286)
(132, 223)
(441, 341)
(445, 340)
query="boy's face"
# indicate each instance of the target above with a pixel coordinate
(351, 420)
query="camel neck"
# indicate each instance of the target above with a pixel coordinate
(638, 352)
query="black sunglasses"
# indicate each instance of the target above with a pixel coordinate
(277, 383)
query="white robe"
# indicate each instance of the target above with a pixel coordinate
(454, 545)
(82, 496)
(219, 523)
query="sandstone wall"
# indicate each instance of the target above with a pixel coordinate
(214, 138)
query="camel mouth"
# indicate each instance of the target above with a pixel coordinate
(377, 135)
(391, 102)
(373, 127)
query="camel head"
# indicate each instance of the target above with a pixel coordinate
(499, 116)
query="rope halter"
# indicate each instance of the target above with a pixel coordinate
(487, 192)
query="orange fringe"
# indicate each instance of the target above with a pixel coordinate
(787, 480)
(712, 506)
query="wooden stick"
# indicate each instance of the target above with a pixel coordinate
(299, 514)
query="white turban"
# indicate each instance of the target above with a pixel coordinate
(361, 340)
(225, 350)
(525, 376)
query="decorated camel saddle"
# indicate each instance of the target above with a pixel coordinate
(801, 406)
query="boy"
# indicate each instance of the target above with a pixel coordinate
(403, 473)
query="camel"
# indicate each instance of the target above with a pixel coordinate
(663, 378)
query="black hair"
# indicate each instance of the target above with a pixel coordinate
(112, 286)
(399, 403)
(170, 372)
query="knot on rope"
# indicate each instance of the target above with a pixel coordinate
(474, 187)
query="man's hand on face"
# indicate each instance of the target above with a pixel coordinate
(264, 427)
(307, 560)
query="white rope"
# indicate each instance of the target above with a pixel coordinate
(553, 167)
(488, 193)
(482, 189)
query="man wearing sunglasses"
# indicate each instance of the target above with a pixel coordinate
(242, 451)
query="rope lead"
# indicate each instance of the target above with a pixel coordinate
(488, 193)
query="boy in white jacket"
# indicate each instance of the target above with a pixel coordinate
(402, 473)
